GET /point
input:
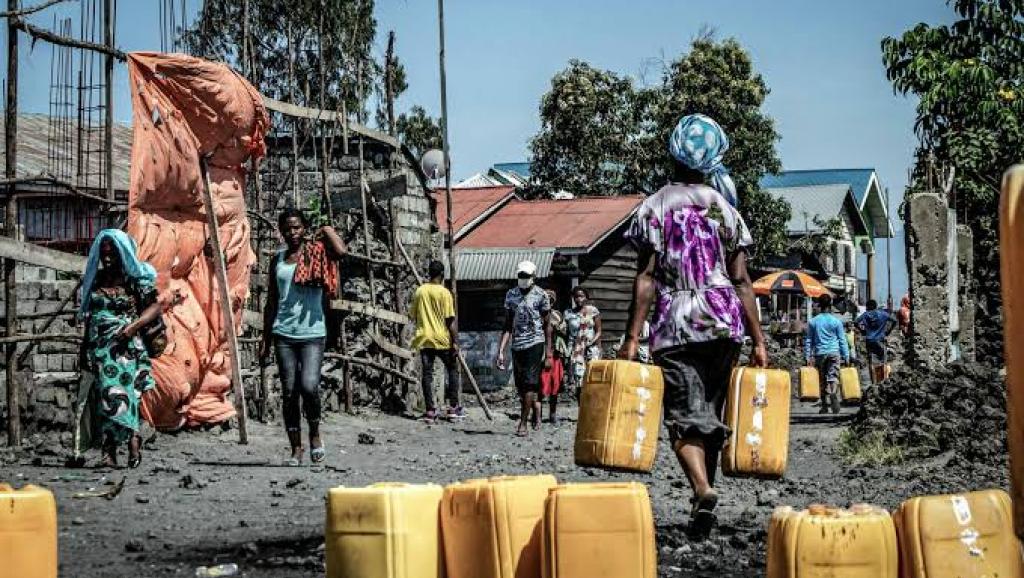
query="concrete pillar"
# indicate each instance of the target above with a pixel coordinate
(965, 262)
(871, 276)
(927, 239)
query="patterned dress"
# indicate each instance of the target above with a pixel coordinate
(691, 229)
(581, 326)
(122, 368)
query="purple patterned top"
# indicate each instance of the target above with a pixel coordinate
(691, 229)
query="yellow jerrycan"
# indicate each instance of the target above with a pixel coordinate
(810, 384)
(492, 527)
(958, 535)
(599, 531)
(1011, 255)
(757, 413)
(849, 384)
(832, 542)
(385, 530)
(620, 415)
(28, 532)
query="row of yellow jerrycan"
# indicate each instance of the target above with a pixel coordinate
(620, 416)
(951, 536)
(810, 384)
(501, 527)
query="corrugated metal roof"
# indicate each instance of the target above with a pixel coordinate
(857, 179)
(468, 205)
(33, 155)
(822, 201)
(568, 225)
(521, 168)
(499, 264)
(478, 181)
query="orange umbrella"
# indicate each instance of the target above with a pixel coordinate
(791, 282)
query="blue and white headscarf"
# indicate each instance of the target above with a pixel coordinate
(134, 269)
(700, 143)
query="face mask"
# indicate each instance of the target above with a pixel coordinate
(525, 283)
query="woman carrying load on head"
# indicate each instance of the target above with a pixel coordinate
(293, 322)
(692, 269)
(119, 301)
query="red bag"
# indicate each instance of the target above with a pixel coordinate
(315, 269)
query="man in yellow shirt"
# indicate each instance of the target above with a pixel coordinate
(433, 310)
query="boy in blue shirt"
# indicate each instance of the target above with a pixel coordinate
(876, 324)
(826, 348)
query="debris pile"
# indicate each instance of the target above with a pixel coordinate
(960, 408)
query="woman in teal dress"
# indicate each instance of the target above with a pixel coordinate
(118, 301)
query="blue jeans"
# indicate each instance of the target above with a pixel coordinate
(298, 365)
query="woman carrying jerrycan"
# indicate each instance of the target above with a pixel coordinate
(692, 268)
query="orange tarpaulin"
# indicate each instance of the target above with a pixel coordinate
(184, 107)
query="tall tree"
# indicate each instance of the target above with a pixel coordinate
(969, 79)
(718, 79)
(600, 135)
(588, 120)
(304, 51)
(418, 131)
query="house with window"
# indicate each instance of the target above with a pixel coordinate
(853, 196)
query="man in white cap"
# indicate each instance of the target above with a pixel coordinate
(526, 314)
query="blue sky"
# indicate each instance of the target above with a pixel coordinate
(831, 101)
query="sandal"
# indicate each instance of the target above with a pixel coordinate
(317, 455)
(293, 462)
(703, 518)
(521, 430)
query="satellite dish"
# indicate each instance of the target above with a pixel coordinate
(432, 164)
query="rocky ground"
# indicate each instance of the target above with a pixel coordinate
(187, 507)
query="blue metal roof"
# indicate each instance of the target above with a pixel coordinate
(858, 179)
(521, 169)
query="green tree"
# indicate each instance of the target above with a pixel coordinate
(302, 51)
(968, 77)
(718, 79)
(588, 122)
(418, 131)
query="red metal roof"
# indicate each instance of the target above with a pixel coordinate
(570, 224)
(468, 205)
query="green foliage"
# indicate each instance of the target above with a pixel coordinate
(601, 135)
(820, 241)
(969, 79)
(332, 39)
(418, 131)
(874, 449)
(588, 120)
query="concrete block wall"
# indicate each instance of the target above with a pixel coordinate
(480, 349)
(49, 378)
(927, 240)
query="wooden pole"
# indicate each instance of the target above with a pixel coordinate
(221, 269)
(11, 217)
(389, 82)
(447, 163)
(108, 97)
(888, 249)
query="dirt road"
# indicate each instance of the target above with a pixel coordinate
(174, 514)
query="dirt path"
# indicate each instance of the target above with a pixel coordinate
(174, 515)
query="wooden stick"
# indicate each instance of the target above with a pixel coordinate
(370, 363)
(22, 338)
(29, 10)
(225, 302)
(346, 374)
(42, 34)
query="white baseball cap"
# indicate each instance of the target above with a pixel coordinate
(526, 267)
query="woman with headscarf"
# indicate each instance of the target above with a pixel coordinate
(118, 303)
(692, 269)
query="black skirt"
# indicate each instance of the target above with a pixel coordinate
(696, 385)
(526, 367)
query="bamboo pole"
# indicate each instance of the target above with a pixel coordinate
(108, 98)
(225, 303)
